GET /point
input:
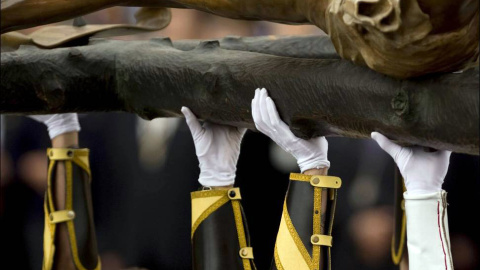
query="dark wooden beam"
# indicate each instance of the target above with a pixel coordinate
(314, 96)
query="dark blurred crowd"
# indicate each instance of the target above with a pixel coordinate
(143, 173)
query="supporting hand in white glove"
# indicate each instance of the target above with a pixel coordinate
(217, 148)
(58, 124)
(423, 172)
(310, 154)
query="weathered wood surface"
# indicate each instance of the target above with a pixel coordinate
(314, 46)
(314, 96)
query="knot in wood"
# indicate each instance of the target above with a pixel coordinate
(400, 103)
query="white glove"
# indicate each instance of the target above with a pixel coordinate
(58, 124)
(423, 172)
(217, 148)
(310, 154)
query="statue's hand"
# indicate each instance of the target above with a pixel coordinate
(58, 124)
(310, 154)
(423, 172)
(217, 148)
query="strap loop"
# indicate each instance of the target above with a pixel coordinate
(246, 253)
(234, 194)
(321, 240)
(65, 153)
(322, 181)
(61, 216)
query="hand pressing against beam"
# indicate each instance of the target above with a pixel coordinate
(428, 237)
(217, 148)
(422, 171)
(310, 154)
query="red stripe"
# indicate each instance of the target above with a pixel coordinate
(440, 232)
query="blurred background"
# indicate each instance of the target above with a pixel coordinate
(144, 171)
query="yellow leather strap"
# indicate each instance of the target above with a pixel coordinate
(210, 201)
(77, 156)
(321, 240)
(398, 254)
(319, 182)
(69, 157)
(317, 220)
(234, 196)
(322, 181)
(66, 153)
(61, 216)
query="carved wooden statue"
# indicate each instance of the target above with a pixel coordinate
(399, 38)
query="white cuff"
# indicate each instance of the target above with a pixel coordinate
(428, 237)
(313, 164)
(215, 179)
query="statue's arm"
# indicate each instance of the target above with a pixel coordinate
(16, 15)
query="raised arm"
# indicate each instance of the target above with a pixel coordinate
(428, 238)
(304, 237)
(68, 203)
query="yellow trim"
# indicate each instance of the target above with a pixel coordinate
(199, 205)
(317, 207)
(242, 241)
(325, 181)
(208, 193)
(278, 263)
(200, 196)
(296, 238)
(291, 255)
(223, 200)
(398, 254)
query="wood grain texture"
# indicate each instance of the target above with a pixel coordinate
(314, 96)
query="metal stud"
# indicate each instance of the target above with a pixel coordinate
(51, 217)
(315, 239)
(70, 153)
(232, 194)
(316, 180)
(71, 214)
(244, 252)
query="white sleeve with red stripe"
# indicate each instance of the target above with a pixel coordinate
(428, 237)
